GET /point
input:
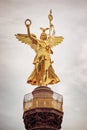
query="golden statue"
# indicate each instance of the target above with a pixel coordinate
(43, 73)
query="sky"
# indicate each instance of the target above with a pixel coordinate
(70, 58)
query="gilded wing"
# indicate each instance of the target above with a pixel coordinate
(54, 40)
(24, 38)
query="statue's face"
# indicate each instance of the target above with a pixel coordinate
(43, 36)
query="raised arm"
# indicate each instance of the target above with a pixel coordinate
(28, 23)
(29, 38)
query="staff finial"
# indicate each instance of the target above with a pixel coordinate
(51, 26)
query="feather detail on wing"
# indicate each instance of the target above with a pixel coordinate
(24, 38)
(54, 40)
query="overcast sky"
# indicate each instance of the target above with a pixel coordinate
(70, 58)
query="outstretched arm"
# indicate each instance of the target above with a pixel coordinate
(29, 38)
(28, 23)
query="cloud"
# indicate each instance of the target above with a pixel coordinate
(70, 58)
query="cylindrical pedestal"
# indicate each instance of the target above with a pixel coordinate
(43, 110)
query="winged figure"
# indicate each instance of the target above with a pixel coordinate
(43, 73)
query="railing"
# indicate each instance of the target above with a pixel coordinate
(54, 101)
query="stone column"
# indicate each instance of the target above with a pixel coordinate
(43, 110)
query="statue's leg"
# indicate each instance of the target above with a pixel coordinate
(45, 78)
(36, 66)
(37, 73)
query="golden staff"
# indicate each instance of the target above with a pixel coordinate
(50, 17)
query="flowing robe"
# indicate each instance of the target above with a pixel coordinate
(43, 73)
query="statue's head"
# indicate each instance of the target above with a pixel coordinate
(43, 35)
